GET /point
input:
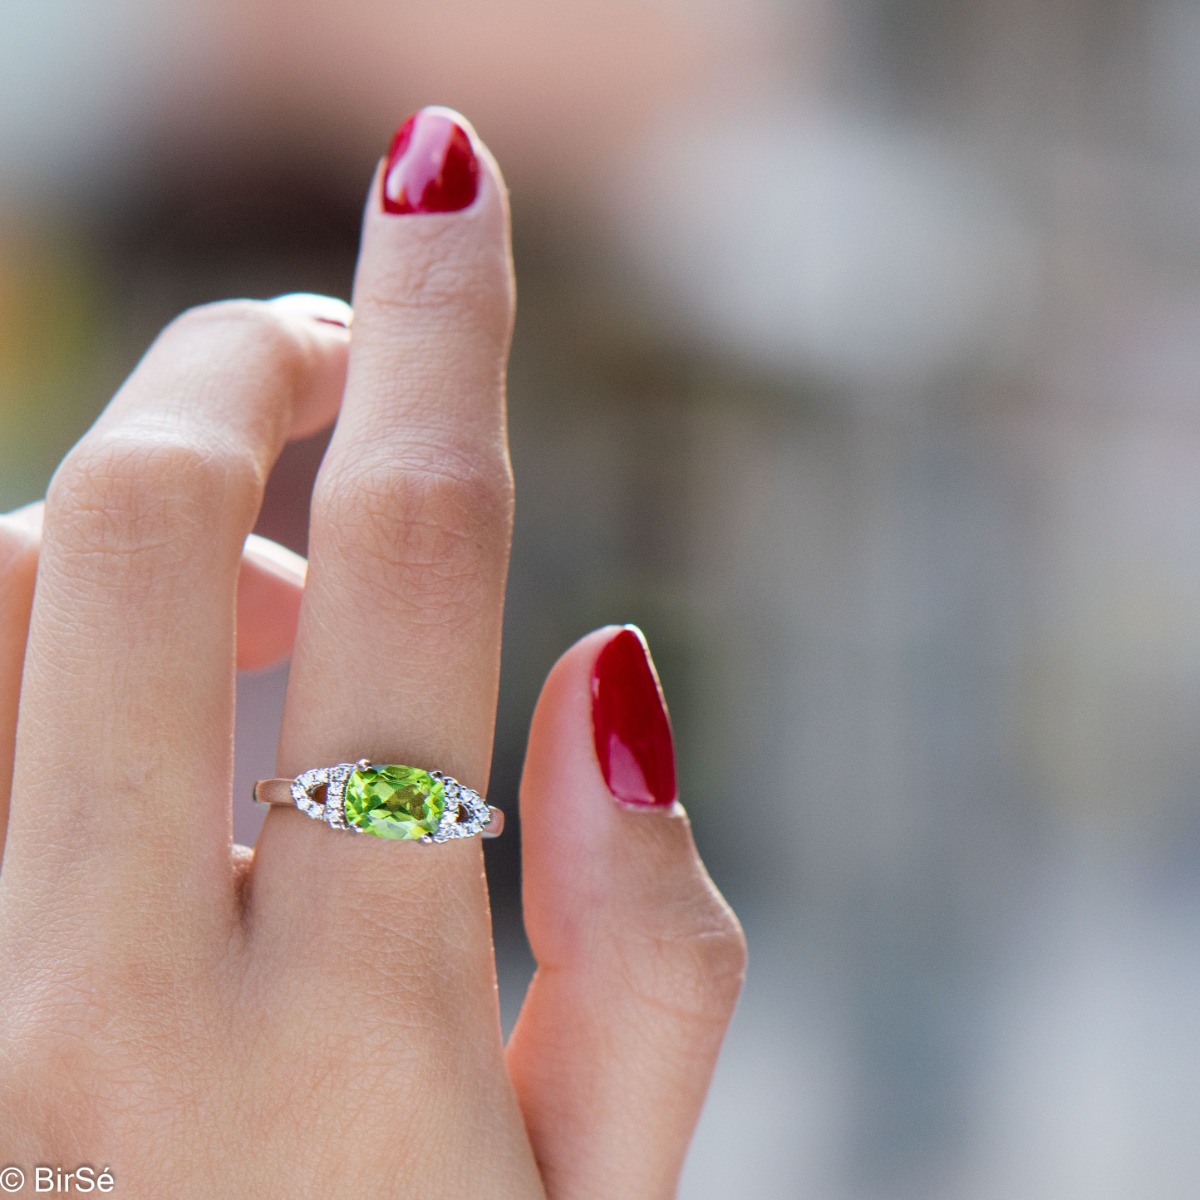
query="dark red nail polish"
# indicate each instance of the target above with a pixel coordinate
(629, 719)
(431, 166)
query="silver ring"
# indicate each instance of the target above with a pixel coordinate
(387, 800)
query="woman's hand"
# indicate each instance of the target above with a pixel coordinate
(321, 1019)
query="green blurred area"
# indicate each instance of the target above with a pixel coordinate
(57, 362)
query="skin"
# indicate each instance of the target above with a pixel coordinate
(319, 1017)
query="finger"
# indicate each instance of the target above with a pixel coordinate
(411, 513)
(20, 533)
(398, 649)
(124, 745)
(270, 584)
(397, 656)
(639, 958)
(269, 588)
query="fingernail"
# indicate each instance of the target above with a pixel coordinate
(431, 165)
(329, 310)
(630, 723)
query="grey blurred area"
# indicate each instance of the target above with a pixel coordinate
(858, 361)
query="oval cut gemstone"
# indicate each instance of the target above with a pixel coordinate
(394, 802)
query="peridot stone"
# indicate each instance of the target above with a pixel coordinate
(394, 802)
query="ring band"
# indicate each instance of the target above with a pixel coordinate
(386, 800)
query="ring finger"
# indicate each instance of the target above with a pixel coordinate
(397, 655)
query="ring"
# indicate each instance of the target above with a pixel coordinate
(386, 800)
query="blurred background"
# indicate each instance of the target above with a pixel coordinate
(858, 361)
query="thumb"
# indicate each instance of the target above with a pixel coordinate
(639, 958)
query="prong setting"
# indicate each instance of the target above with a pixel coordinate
(465, 814)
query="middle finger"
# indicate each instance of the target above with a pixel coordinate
(120, 797)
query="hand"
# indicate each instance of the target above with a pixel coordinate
(320, 1018)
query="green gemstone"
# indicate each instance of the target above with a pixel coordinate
(394, 802)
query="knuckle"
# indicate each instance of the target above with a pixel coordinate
(418, 283)
(444, 291)
(418, 530)
(133, 493)
(241, 319)
(156, 484)
(249, 332)
(691, 964)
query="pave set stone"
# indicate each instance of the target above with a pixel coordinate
(391, 801)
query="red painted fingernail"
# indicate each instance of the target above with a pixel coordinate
(630, 723)
(431, 165)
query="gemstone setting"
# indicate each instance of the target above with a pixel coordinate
(392, 801)
(375, 808)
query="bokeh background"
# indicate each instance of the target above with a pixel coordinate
(858, 360)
